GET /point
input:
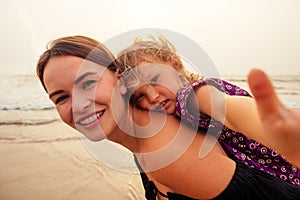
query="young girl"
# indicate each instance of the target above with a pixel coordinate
(154, 57)
(86, 98)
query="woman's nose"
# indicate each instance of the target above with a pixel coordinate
(80, 103)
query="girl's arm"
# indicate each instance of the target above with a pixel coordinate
(238, 113)
(273, 125)
(280, 124)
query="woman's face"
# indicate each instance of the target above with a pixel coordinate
(82, 92)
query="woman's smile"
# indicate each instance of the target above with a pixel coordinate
(84, 93)
(91, 120)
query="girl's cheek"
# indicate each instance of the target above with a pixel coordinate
(171, 93)
(143, 104)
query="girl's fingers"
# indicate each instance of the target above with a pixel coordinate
(268, 104)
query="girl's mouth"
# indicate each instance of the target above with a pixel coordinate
(91, 119)
(164, 104)
(161, 106)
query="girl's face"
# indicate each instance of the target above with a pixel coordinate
(82, 92)
(158, 84)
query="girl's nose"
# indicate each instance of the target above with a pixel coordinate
(153, 95)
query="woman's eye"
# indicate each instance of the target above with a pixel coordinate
(154, 79)
(86, 84)
(61, 99)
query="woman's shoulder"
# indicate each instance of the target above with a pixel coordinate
(174, 149)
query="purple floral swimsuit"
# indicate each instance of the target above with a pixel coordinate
(235, 144)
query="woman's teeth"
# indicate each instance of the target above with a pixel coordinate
(91, 118)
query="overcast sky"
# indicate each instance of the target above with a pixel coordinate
(237, 35)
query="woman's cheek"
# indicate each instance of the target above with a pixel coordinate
(66, 115)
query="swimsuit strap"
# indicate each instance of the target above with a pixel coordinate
(151, 190)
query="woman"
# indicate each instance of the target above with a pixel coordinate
(82, 79)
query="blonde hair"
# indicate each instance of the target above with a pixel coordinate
(150, 49)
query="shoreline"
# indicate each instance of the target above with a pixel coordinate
(48, 161)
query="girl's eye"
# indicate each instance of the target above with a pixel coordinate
(136, 99)
(61, 99)
(87, 83)
(154, 79)
(139, 97)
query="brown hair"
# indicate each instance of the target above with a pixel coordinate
(147, 48)
(79, 46)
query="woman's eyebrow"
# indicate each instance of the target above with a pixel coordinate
(81, 77)
(55, 93)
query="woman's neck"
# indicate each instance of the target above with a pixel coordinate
(125, 133)
(125, 139)
(135, 129)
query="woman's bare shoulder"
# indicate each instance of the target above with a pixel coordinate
(174, 149)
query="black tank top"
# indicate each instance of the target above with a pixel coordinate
(246, 184)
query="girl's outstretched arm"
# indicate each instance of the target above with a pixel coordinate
(263, 118)
(238, 113)
(281, 125)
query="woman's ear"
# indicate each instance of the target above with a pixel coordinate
(122, 89)
(122, 86)
(118, 72)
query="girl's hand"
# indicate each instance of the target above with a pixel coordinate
(281, 125)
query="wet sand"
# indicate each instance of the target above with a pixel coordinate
(48, 161)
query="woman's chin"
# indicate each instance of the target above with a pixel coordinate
(95, 137)
(92, 135)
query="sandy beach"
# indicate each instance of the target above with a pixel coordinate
(35, 164)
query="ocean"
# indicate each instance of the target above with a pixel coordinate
(23, 100)
(287, 88)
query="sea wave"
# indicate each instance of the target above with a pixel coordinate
(291, 93)
(23, 92)
(286, 79)
(28, 122)
(28, 117)
(26, 107)
(31, 140)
